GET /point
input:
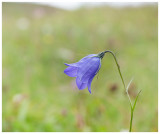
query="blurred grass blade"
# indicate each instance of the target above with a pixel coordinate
(129, 84)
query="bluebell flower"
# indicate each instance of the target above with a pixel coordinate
(85, 70)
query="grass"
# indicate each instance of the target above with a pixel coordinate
(38, 96)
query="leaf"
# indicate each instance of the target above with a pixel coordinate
(136, 100)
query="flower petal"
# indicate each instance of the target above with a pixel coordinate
(71, 71)
(89, 83)
(81, 62)
(80, 85)
(73, 64)
(88, 56)
(89, 69)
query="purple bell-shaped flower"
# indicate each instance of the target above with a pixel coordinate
(85, 70)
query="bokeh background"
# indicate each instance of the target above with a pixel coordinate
(38, 40)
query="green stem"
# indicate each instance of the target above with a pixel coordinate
(126, 89)
(130, 128)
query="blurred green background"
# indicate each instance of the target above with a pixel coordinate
(38, 40)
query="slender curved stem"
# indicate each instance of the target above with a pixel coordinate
(126, 89)
(119, 73)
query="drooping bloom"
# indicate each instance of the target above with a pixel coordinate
(85, 70)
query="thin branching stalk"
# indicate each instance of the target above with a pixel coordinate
(126, 89)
